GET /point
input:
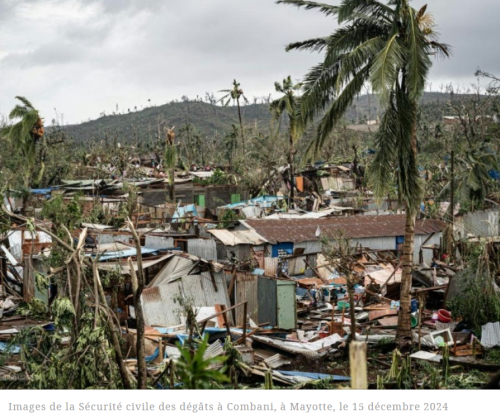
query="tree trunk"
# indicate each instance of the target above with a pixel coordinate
(124, 372)
(404, 319)
(352, 303)
(171, 186)
(292, 172)
(241, 126)
(138, 287)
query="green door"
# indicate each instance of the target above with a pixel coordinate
(199, 200)
(287, 305)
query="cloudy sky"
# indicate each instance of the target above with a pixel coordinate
(82, 57)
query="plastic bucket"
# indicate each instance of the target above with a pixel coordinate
(414, 321)
(444, 316)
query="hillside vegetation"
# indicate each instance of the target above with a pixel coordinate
(213, 120)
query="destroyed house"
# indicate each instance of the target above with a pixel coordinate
(184, 277)
(384, 232)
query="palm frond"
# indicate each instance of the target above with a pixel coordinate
(327, 9)
(419, 62)
(350, 8)
(25, 102)
(314, 45)
(386, 67)
(338, 108)
(386, 143)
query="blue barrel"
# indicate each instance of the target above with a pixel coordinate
(414, 305)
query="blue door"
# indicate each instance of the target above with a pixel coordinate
(285, 247)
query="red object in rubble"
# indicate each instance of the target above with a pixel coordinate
(444, 316)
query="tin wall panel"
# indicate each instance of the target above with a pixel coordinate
(159, 243)
(160, 305)
(203, 248)
(246, 289)
(267, 301)
(287, 304)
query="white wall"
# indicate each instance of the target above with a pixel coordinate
(479, 223)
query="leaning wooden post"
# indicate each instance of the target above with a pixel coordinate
(357, 363)
(245, 323)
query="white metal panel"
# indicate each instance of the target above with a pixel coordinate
(310, 247)
(159, 243)
(161, 307)
(200, 289)
(176, 267)
(203, 248)
(427, 254)
(111, 238)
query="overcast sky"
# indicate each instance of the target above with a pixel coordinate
(85, 56)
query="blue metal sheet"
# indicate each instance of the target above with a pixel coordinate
(124, 254)
(314, 376)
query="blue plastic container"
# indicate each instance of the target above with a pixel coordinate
(414, 305)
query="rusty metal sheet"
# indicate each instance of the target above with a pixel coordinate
(374, 315)
(301, 230)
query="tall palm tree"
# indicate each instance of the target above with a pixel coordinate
(388, 44)
(234, 95)
(170, 160)
(289, 103)
(230, 143)
(25, 134)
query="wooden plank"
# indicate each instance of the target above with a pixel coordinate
(358, 365)
(374, 315)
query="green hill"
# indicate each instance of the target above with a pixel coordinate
(206, 119)
(212, 121)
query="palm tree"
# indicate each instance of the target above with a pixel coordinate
(388, 44)
(289, 104)
(170, 160)
(25, 134)
(230, 143)
(234, 95)
(474, 178)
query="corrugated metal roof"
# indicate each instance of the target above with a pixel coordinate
(124, 267)
(161, 308)
(161, 305)
(299, 230)
(232, 238)
(203, 248)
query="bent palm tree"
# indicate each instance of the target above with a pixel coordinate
(234, 95)
(289, 104)
(387, 44)
(25, 134)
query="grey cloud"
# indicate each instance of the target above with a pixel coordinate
(128, 51)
